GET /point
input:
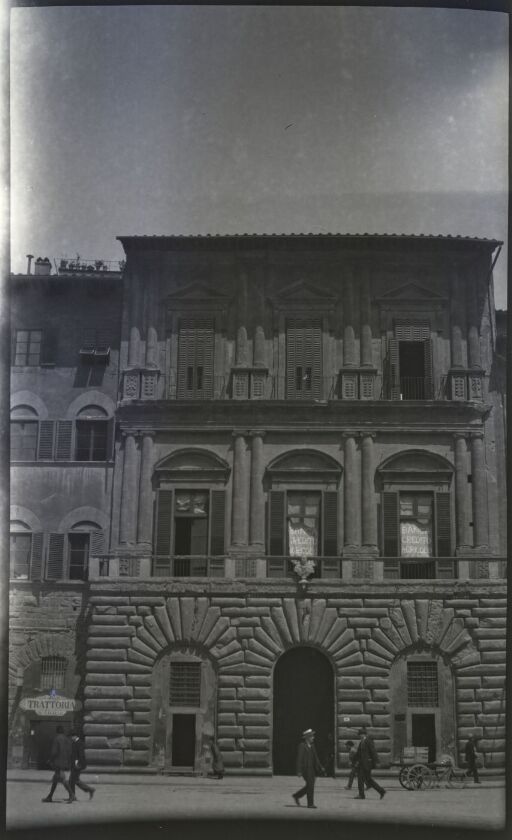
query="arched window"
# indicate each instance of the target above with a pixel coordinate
(416, 517)
(24, 428)
(92, 433)
(68, 554)
(26, 552)
(190, 520)
(303, 511)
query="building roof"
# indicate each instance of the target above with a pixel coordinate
(339, 236)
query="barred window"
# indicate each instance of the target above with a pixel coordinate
(53, 672)
(422, 685)
(185, 684)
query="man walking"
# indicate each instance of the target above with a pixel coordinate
(217, 761)
(471, 759)
(353, 764)
(78, 763)
(308, 764)
(60, 761)
(366, 758)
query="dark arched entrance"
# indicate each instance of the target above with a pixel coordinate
(303, 698)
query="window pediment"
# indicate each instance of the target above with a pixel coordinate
(193, 465)
(416, 467)
(411, 293)
(304, 466)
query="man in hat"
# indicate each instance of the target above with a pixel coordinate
(308, 764)
(60, 761)
(366, 758)
(78, 763)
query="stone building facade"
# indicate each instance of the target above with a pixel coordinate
(258, 485)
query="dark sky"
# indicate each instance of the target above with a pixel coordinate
(232, 119)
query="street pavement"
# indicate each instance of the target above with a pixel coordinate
(170, 798)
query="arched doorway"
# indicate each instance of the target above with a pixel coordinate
(303, 697)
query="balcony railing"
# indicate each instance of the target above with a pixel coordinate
(329, 568)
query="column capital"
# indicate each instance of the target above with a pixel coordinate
(460, 435)
(257, 433)
(371, 435)
(476, 435)
(347, 435)
(236, 433)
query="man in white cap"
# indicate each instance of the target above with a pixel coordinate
(308, 764)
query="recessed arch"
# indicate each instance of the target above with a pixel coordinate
(192, 463)
(84, 514)
(91, 398)
(18, 513)
(27, 398)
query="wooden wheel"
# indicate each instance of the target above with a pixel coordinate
(420, 777)
(403, 777)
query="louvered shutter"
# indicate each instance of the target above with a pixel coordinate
(64, 436)
(393, 369)
(204, 352)
(276, 523)
(303, 350)
(186, 359)
(330, 524)
(36, 556)
(96, 543)
(217, 521)
(293, 357)
(49, 346)
(313, 358)
(110, 439)
(427, 356)
(164, 523)
(55, 564)
(390, 533)
(443, 525)
(45, 443)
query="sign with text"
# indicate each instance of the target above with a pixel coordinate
(302, 541)
(49, 706)
(416, 540)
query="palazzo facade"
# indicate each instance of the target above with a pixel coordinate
(258, 485)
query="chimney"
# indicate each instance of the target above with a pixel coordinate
(42, 266)
(30, 257)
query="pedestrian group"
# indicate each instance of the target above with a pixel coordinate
(68, 754)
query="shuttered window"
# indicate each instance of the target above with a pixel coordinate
(164, 522)
(78, 556)
(330, 524)
(190, 522)
(390, 534)
(55, 561)
(21, 546)
(36, 558)
(443, 525)
(409, 366)
(63, 442)
(276, 523)
(303, 360)
(91, 440)
(417, 524)
(195, 359)
(303, 523)
(46, 438)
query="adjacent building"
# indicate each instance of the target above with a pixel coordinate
(258, 485)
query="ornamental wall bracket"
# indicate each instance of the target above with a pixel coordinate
(304, 568)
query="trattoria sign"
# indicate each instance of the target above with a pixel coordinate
(50, 706)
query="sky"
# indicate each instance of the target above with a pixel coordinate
(260, 119)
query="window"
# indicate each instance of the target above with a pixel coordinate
(303, 523)
(185, 684)
(95, 346)
(422, 684)
(416, 517)
(190, 524)
(27, 349)
(78, 556)
(91, 440)
(21, 546)
(23, 440)
(53, 672)
(303, 359)
(410, 362)
(195, 359)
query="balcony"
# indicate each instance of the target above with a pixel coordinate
(113, 566)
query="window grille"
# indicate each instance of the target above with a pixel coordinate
(53, 672)
(422, 685)
(185, 684)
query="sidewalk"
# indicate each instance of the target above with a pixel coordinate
(171, 798)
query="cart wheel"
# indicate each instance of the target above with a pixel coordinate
(456, 779)
(403, 777)
(420, 777)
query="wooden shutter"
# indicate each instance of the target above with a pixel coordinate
(427, 355)
(443, 525)
(55, 564)
(111, 429)
(304, 350)
(217, 521)
(49, 346)
(186, 358)
(195, 349)
(393, 369)
(36, 556)
(45, 443)
(390, 533)
(96, 543)
(204, 352)
(277, 523)
(330, 524)
(164, 515)
(64, 436)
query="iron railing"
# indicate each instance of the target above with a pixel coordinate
(189, 566)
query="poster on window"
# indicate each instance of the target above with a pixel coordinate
(416, 539)
(302, 540)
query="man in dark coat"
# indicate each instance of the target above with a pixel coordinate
(367, 759)
(217, 761)
(60, 761)
(78, 763)
(471, 759)
(308, 765)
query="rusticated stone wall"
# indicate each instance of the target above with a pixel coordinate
(244, 627)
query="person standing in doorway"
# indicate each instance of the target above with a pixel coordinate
(471, 759)
(78, 763)
(308, 765)
(60, 761)
(366, 758)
